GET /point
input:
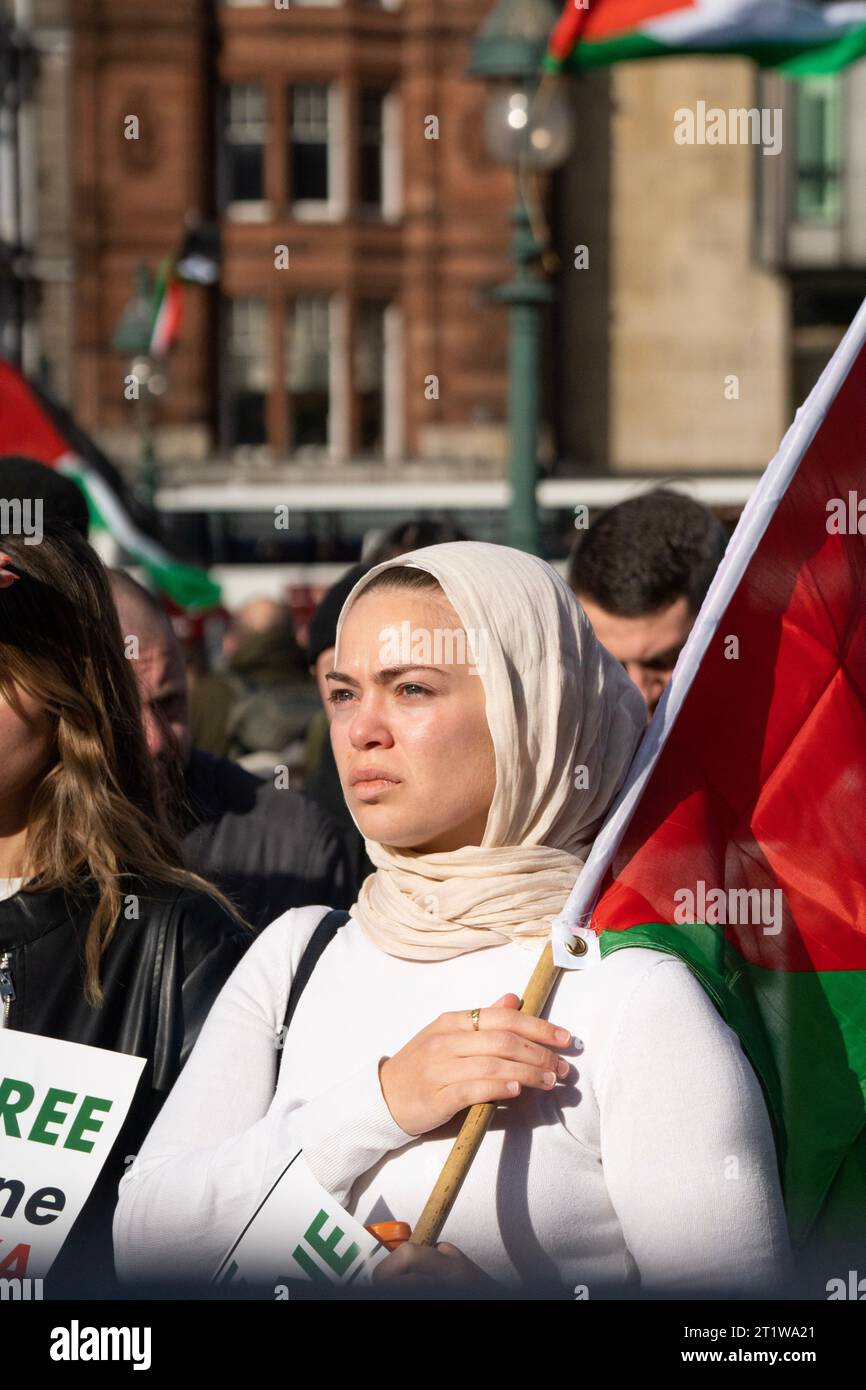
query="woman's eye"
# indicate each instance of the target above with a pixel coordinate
(335, 697)
(412, 686)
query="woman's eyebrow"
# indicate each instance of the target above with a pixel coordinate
(383, 677)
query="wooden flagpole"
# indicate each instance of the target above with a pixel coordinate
(475, 1126)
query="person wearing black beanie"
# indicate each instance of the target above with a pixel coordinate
(322, 632)
(62, 501)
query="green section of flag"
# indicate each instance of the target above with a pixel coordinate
(791, 59)
(186, 585)
(805, 1035)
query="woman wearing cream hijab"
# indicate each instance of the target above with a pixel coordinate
(481, 734)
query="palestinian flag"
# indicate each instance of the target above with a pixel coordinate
(739, 841)
(34, 425)
(167, 310)
(796, 36)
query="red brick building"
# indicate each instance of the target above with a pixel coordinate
(340, 148)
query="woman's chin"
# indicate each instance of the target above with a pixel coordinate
(388, 829)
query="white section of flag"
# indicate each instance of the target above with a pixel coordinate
(723, 23)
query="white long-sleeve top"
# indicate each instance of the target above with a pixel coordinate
(654, 1161)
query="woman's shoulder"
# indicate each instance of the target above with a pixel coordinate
(626, 967)
(623, 966)
(149, 898)
(287, 937)
(636, 987)
(262, 980)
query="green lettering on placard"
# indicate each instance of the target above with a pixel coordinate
(309, 1266)
(232, 1274)
(49, 1114)
(10, 1108)
(83, 1120)
(326, 1248)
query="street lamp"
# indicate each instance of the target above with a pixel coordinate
(527, 124)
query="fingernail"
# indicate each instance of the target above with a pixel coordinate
(562, 1035)
(562, 1067)
(549, 1078)
(513, 1087)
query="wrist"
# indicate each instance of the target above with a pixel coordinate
(383, 1087)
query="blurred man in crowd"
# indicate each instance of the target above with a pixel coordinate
(641, 572)
(259, 707)
(265, 846)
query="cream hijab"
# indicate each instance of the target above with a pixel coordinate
(564, 719)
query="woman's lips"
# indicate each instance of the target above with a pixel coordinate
(372, 783)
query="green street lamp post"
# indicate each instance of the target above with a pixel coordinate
(528, 126)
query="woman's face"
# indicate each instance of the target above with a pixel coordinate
(411, 742)
(26, 752)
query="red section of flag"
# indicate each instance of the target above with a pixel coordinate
(24, 426)
(762, 783)
(168, 318)
(603, 19)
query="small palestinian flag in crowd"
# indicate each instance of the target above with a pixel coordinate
(738, 842)
(798, 37)
(167, 310)
(35, 426)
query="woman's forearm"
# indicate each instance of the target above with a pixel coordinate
(181, 1206)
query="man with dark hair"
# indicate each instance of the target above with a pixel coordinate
(641, 572)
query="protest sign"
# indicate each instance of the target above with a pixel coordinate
(61, 1108)
(300, 1232)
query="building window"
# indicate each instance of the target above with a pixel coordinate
(308, 372)
(369, 375)
(340, 396)
(246, 372)
(309, 174)
(822, 308)
(371, 152)
(243, 147)
(818, 171)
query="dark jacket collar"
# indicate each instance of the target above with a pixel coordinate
(28, 915)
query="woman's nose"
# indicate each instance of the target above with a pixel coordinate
(369, 728)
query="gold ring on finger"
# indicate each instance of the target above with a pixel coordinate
(474, 1014)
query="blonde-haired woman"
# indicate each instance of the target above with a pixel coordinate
(467, 689)
(105, 938)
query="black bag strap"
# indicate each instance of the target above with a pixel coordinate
(325, 931)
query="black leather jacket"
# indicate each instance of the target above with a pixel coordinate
(161, 973)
